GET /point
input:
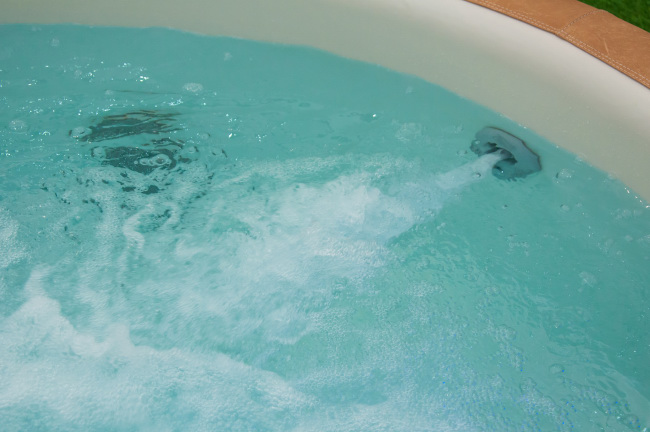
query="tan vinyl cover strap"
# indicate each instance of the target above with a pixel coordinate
(621, 45)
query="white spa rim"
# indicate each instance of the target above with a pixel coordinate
(531, 76)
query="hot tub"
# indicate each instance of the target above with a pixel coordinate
(172, 261)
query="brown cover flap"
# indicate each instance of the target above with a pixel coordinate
(608, 38)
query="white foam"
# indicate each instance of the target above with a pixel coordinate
(12, 249)
(111, 382)
(298, 238)
(252, 269)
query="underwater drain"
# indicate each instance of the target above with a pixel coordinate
(519, 161)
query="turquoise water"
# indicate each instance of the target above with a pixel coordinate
(213, 234)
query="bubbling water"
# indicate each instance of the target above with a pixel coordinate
(137, 354)
(270, 238)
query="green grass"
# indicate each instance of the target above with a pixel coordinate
(636, 12)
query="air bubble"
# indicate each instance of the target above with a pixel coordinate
(79, 131)
(588, 279)
(623, 214)
(528, 385)
(504, 333)
(160, 160)
(17, 125)
(193, 87)
(564, 174)
(155, 161)
(408, 132)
